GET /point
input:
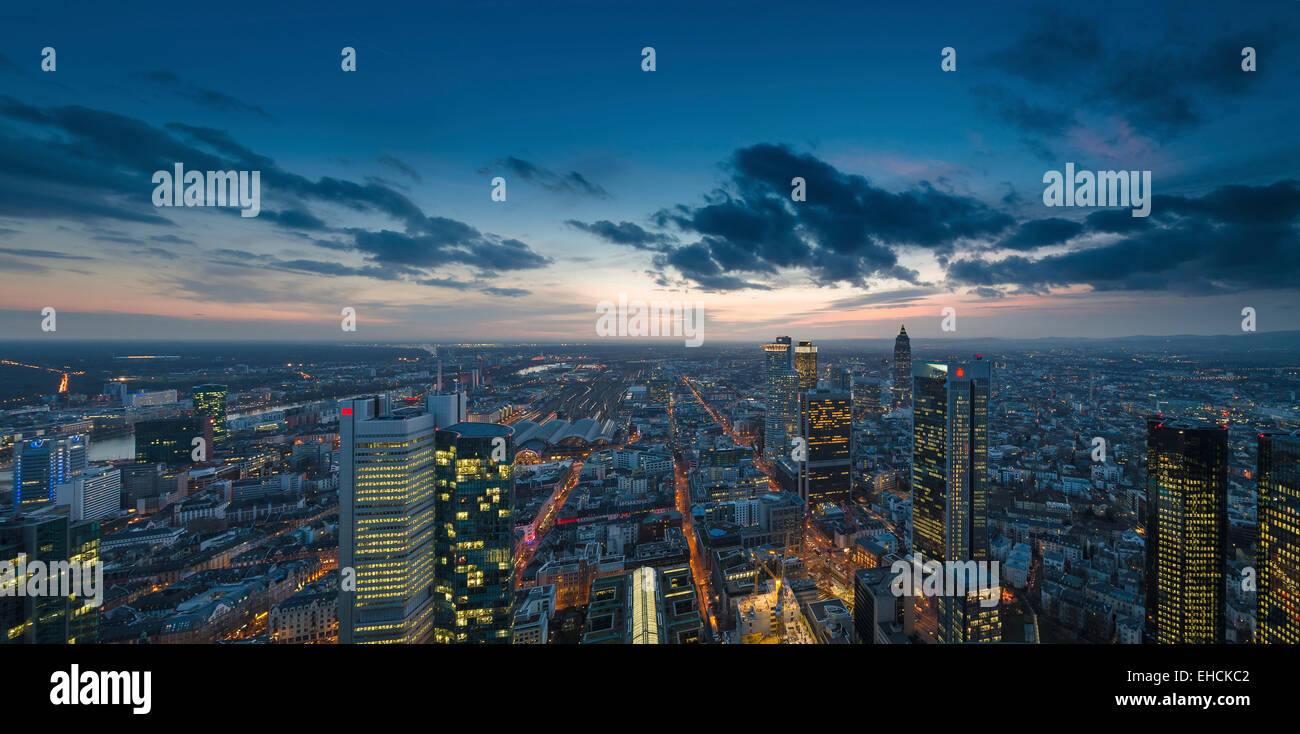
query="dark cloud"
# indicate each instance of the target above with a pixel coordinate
(1163, 86)
(46, 254)
(624, 233)
(1235, 238)
(84, 164)
(1014, 110)
(1042, 232)
(847, 231)
(565, 183)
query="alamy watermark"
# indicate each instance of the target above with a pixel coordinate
(56, 578)
(950, 578)
(209, 188)
(651, 318)
(1100, 188)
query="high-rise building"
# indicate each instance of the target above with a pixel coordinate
(387, 505)
(41, 464)
(93, 495)
(171, 441)
(48, 619)
(902, 369)
(448, 408)
(1187, 531)
(659, 388)
(827, 474)
(805, 362)
(950, 422)
(780, 398)
(210, 401)
(868, 396)
(1277, 593)
(474, 575)
(844, 379)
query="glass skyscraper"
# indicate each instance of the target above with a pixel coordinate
(210, 401)
(1277, 591)
(805, 363)
(1187, 531)
(781, 397)
(170, 441)
(475, 532)
(902, 369)
(43, 463)
(950, 422)
(827, 475)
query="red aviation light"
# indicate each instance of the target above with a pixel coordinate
(347, 411)
(960, 372)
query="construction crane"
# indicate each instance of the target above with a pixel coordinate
(759, 562)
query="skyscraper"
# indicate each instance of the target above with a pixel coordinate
(805, 362)
(474, 575)
(50, 538)
(45, 462)
(902, 369)
(827, 474)
(1277, 592)
(171, 440)
(210, 401)
(92, 495)
(781, 397)
(1187, 531)
(868, 396)
(950, 421)
(387, 504)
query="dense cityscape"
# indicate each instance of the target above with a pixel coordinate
(1121, 491)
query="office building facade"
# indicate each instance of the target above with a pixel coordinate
(387, 505)
(1277, 591)
(474, 537)
(827, 474)
(1187, 532)
(210, 402)
(950, 487)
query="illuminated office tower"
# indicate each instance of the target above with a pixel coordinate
(96, 493)
(902, 369)
(1277, 592)
(827, 475)
(45, 462)
(780, 397)
(387, 504)
(475, 532)
(805, 362)
(659, 388)
(1187, 531)
(49, 619)
(950, 423)
(210, 401)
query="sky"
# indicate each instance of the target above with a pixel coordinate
(924, 187)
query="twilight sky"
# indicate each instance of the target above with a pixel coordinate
(924, 187)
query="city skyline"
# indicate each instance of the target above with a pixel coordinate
(923, 187)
